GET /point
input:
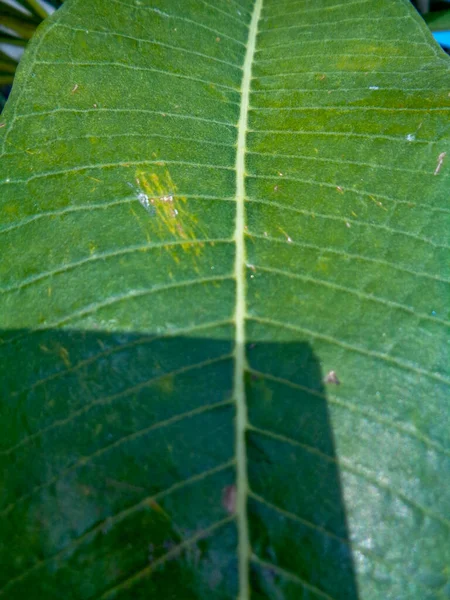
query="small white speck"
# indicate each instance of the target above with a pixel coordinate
(175, 212)
(410, 137)
(441, 157)
(368, 543)
(8, 180)
(143, 199)
(347, 224)
(373, 87)
(252, 276)
(265, 234)
(289, 240)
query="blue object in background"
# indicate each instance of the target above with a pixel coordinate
(442, 38)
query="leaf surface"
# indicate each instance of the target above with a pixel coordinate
(224, 304)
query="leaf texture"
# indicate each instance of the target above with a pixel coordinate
(224, 304)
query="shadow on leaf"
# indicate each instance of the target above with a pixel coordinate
(118, 469)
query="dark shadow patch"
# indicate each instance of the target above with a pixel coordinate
(116, 454)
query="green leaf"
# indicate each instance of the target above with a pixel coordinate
(438, 21)
(5, 79)
(224, 304)
(6, 64)
(20, 25)
(38, 8)
(11, 40)
(7, 9)
(35, 7)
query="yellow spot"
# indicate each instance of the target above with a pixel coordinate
(11, 209)
(158, 508)
(158, 194)
(378, 203)
(323, 265)
(287, 236)
(64, 354)
(165, 385)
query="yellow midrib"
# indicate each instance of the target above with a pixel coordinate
(239, 356)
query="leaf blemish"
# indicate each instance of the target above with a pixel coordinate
(287, 236)
(229, 499)
(441, 157)
(158, 195)
(331, 377)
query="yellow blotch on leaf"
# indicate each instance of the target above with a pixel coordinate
(64, 355)
(158, 195)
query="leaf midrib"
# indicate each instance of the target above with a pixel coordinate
(239, 351)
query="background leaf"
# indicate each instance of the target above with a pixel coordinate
(438, 21)
(187, 272)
